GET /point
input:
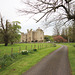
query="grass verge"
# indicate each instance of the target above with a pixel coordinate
(72, 58)
(25, 63)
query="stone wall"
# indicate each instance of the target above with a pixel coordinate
(23, 37)
(33, 36)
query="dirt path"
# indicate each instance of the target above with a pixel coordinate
(55, 63)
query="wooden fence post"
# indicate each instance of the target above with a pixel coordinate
(31, 47)
(26, 47)
(19, 49)
(42, 45)
(11, 51)
(34, 46)
(38, 47)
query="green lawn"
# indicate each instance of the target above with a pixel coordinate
(71, 50)
(24, 62)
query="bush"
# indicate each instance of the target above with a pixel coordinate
(34, 49)
(24, 52)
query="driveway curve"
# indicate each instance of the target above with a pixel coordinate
(56, 63)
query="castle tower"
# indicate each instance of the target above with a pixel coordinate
(36, 36)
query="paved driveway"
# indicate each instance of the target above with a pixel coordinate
(56, 63)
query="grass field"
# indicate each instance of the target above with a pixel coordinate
(24, 62)
(71, 50)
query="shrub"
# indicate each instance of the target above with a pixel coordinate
(24, 52)
(34, 49)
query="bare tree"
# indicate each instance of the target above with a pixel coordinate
(57, 28)
(69, 33)
(62, 9)
(73, 31)
(64, 32)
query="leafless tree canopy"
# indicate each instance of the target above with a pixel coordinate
(64, 9)
(57, 28)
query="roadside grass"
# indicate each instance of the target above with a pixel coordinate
(27, 61)
(71, 51)
(72, 58)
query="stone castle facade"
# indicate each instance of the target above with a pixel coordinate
(33, 36)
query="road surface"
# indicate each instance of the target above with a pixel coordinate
(56, 63)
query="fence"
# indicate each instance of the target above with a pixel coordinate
(29, 47)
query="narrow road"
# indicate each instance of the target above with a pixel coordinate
(56, 63)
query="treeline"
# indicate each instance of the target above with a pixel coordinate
(69, 33)
(9, 31)
(66, 33)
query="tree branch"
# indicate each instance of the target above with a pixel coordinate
(2, 23)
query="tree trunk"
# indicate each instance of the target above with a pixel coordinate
(11, 43)
(74, 31)
(68, 40)
(6, 39)
(6, 43)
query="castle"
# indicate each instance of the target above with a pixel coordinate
(33, 36)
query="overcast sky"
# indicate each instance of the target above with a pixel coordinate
(8, 10)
